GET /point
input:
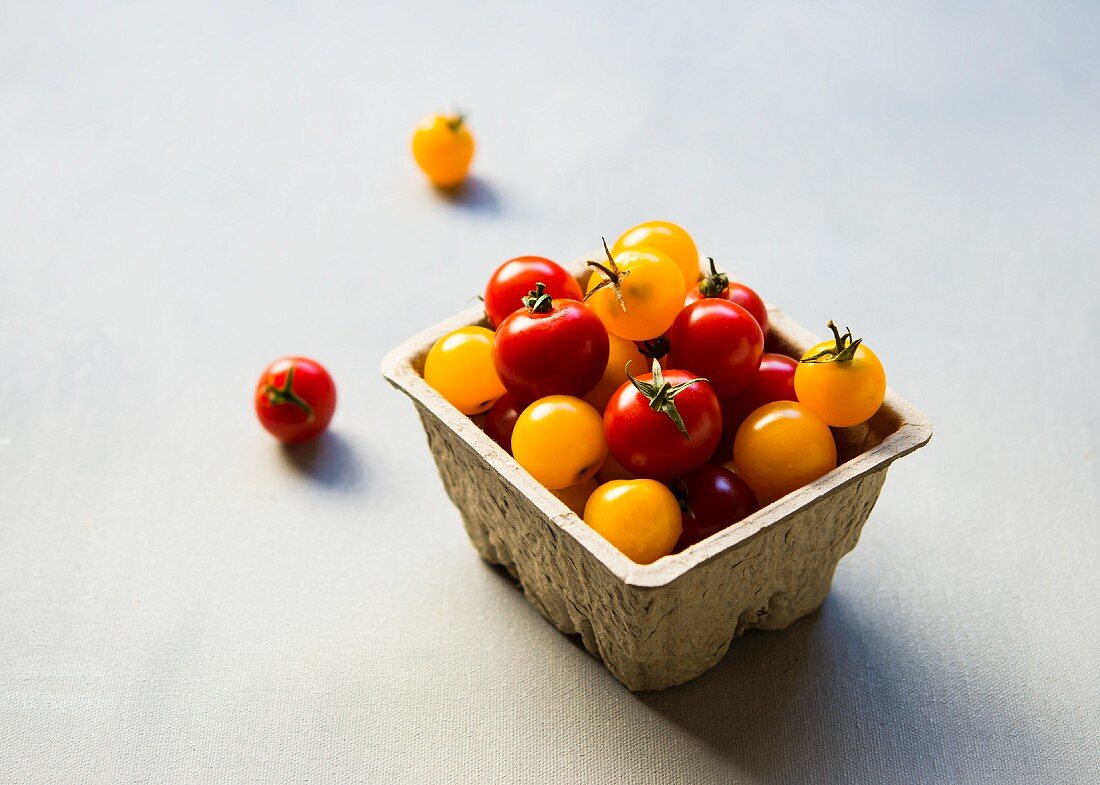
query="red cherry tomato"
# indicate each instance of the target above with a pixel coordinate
(511, 282)
(295, 399)
(774, 381)
(712, 499)
(662, 423)
(719, 286)
(500, 420)
(720, 341)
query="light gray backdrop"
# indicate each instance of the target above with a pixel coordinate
(187, 192)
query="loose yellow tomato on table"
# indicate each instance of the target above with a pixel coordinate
(780, 447)
(669, 239)
(559, 440)
(842, 381)
(636, 294)
(621, 352)
(639, 517)
(460, 368)
(443, 148)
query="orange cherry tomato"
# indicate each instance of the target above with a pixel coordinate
(576, 496)
(614, 375)
(669, 239)
(842, 381)
(443, 148)
(639, 517)
(460, 368)
(780, 447)
(559, 440)
(636, 294)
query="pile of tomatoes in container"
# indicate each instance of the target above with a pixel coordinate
(646, 402)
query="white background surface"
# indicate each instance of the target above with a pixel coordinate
(188, 192)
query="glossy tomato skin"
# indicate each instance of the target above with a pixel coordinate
(774, 381)
(713, 498)
(740, 294)
(560, 352)
(295, 399)
(720, 341)
(443, 148)
(780, 447)
(559, 440)
(500, 420)
(668, 238)
(511, 282)
(459, 367)
(639, 517)
(647, 443)
(842, 393)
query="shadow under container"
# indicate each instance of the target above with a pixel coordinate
(661, 624)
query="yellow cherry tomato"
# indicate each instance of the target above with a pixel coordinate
(559, 440)
(780, 447)
(639, 517)
(614, 375)
(842, 381)
(576, 496)
(669, 239)
(460, 368)
(636, 294)
(443, 148)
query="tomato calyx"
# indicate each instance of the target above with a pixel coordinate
(538, 300)
(277, 396)
(614, 276)
(661, 394)
(714, 284)
(655, 348)
(844, 351)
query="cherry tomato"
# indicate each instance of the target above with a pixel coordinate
(511, 282)
(613, 470)
(780, 447)
(295, 399)
(669, 239)
(842, 380)
(636, 294)
(621, 352)
(639, 517)
(719, 341)
(774, 381)
(719, 286)
(711, 498)
(662, 423)
(443, 148)
(460, 368)
(576, 496)
(559, 440)
(550, 347)
(501, 419)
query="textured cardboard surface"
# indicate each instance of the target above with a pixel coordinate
(661, 624)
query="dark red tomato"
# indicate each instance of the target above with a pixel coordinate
(662, 423)
(550, 347)
(295, 399)
(774, 381)
(500, 420)
(511, 282)
(712, 498)
(720, 341)
(718, 285)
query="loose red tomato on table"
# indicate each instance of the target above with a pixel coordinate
(780, 447)
(774, 381)
(719, 341)
(511, 282)
(711, 498)
(550, 347)
(719, 286)
(500, 420)
(295, 399)
(842, 380)
(662, 423)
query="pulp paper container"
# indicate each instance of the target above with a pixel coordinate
(664, 623)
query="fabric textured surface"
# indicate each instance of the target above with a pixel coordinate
(191, 190)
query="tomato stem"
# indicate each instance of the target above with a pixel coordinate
(714, 284)
(844, 351)
(537, 300)
(277, 396)
(614, 276)
(661, 394)
(455, 121)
